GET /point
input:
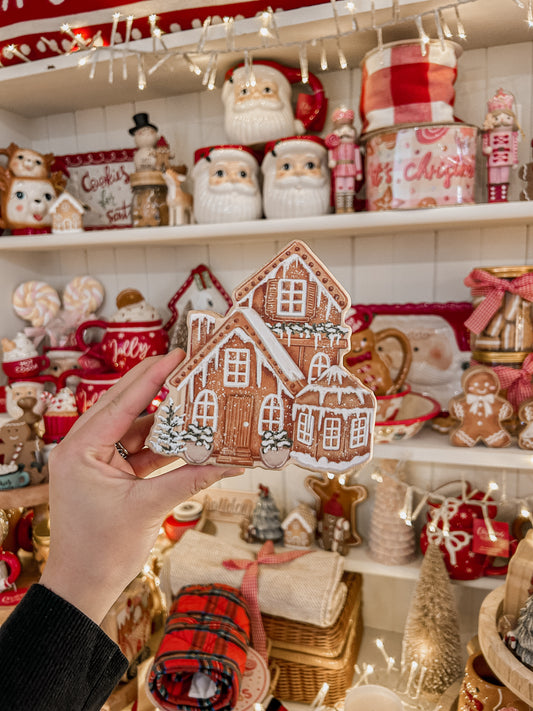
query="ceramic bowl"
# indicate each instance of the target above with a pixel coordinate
(415, 410)
(388, 406)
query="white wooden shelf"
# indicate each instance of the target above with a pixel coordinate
(430, 446)
(358, 560)
(361, 223)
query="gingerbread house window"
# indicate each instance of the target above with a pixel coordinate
(319, 364)
(292, 297)
(205, 409)
(359, 430)
(271, 414)
(237, 368)
(305, 428)
(332, 433)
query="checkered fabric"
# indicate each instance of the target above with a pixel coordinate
(400, 85)
(207, 630)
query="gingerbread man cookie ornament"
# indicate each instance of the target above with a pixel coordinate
(525, 417)
(480, 410)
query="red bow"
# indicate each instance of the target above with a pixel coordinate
(517, 381)
(249, 587)
(493, 289)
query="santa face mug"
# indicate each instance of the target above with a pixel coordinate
(258, 103)
(296, 178)
(226, 185)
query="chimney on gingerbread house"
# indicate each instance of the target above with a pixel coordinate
(200, 326)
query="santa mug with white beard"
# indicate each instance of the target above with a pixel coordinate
(226, 185)
(296, 178)
(258, 104)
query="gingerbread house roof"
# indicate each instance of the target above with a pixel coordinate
(337, 390)
(302, 513)
(65, 195)
(316, 269)
(248, 325)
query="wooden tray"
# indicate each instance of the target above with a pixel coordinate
(516, 677)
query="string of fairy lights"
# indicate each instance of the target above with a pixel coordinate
(202, 60)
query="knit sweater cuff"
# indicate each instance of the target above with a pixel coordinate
(50, 646)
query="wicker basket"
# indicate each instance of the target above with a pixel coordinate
(323, 641)
(301, 675)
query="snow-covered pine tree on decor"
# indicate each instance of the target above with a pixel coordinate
(431, 635)
(265, 524)
(523, 633)
(169, 429)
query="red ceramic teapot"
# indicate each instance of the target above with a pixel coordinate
(450, 525)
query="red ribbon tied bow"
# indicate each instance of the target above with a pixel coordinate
(493, 289)
(250, 589)
(517, 381)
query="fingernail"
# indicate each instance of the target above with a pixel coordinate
(234, 471)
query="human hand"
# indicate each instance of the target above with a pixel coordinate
(104, 514)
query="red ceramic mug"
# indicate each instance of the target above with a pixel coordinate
(25, 367)
(91, 386)
(123, 345)
(13, 567)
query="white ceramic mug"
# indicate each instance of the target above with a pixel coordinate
(372, 697)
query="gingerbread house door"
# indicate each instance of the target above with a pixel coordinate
(238, 430)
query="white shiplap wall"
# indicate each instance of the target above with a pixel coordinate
(422, 266)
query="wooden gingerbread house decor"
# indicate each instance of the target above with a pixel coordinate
(266, 383)
(67, 214)
(299, 527)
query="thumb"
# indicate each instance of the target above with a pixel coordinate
(174, 486)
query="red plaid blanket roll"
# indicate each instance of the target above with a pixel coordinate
(207, 631)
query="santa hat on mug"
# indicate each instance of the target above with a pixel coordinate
(310, 108)
(291, 145)
(208, 154)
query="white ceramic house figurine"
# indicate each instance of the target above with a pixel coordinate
(226, 184)
(67, 214)
(296, 178)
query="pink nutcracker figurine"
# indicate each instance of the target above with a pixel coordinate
(500, 144)
(344, 159)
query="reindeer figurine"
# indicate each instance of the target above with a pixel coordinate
(179, 202)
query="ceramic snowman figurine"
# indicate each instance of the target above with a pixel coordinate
(296, 178)
(28, 190)
(146, 138)
(226, 185)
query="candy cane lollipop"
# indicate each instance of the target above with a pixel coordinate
(36, 302)
(84, 294)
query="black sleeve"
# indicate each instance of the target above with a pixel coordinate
(54, 658)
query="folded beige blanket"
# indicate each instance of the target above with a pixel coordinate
(307, 589)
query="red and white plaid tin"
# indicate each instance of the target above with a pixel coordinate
(402, 85)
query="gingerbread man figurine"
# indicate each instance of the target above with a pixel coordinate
(480, 410)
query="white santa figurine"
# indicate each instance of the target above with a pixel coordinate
(226, 184)
(258, 104)
(296, 178)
